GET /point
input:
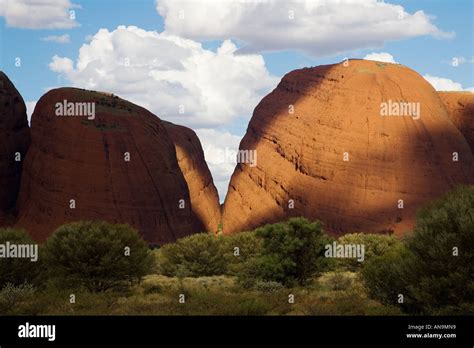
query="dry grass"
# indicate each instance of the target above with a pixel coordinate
(334, 293)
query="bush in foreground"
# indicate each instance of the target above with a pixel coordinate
(17, 271)
(194, 256)
(12, 295)
(239, 248)
(374, 245)
(386, 277)
(202, 254)
(292, 253)
(434, 272)
(97, 255)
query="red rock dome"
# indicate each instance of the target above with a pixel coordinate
(342, 143)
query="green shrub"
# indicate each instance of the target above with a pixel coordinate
(207, 255)
(386, 276)
(17, 271)
(12, 295)
(427, 272)
(444, 279)
(268, 286)
(194, 256)
(249, 273)
(374, 245)
(239, 248)
(292, 252)
(95, 255)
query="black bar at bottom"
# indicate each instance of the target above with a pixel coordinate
(142, 330)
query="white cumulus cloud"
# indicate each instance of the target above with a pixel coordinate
(445, 84)
(175, 78)
(317, 27)
(381, 57)
(38, 14)
(61, 65)
(61, 39)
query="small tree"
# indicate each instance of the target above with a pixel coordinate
(17, 271)
(374, 245)
(434, 272)
(193, 256)
(389, 275)
(443, 245)
(292, 252)
(97, 255)
(238, 248)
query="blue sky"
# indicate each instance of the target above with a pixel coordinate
(34, 76)
(426, 42)
(426, 54)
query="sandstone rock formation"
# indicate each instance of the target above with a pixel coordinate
(324, 151)
(14, 143)
(120, 166)
(203, 193)
(460, 107)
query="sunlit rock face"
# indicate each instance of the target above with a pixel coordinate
(203, 192)
(359, 145)
(460, 107)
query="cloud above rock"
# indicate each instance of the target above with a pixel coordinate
(381, 57)
(175, 78)
(445, 84)
(316, 27)
(38, 14)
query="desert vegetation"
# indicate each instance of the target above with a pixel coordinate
(278, 269)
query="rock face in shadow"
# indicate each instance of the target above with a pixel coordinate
(325, 151)
(203, 193)
(119, 167)
(460, 107)
(14, 142)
